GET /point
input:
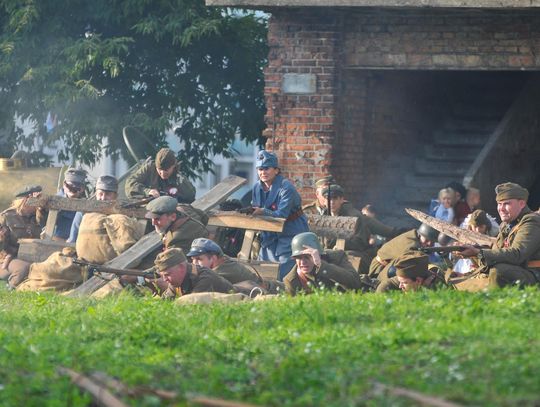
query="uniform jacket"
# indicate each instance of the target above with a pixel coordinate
(199, 280)
(516, 243)
(335, 271)
(394, 249)
(314, 208)
(139, 184)
(17, 227)
(281, 201)
(234, 272)
(182, 232)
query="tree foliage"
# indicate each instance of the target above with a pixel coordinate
(155, 65)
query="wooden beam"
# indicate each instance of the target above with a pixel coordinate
(38, 250)
(247, 243)
(51, 223)
(242, 221)
(152, 241)
(337, 227)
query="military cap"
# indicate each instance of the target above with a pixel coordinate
(479, 217)
(107, 183)
(28, 190)
(335, 191)
(169, 258)
(412, 265)
(165, 159)
(509, 190)
(204, 246)
(266, 159)
(308, 239)
(76, 176)
(321, 182)
(159, 206)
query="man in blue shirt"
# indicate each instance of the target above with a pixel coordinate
(275, 196)
(73, 187)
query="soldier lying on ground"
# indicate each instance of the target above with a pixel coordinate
(424, 236)
(17, 222)
(515, 257)
(316, 268)
(177, 228)
(161, 176)
(185, 278)
(207, 253)
(413, 273)
(358, 245)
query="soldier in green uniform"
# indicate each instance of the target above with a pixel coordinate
(315, 268)
(185, 278)
(17, 222)
(515, 256)
(413, 273)
(177, 228)
(206, 253)
(158, 177)
(424, 236)
(318, 206)
(358, 245)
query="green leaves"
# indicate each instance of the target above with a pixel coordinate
(102, 65)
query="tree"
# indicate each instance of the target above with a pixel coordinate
(153, 64)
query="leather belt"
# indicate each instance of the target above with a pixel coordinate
(295, 215)
(533, 264)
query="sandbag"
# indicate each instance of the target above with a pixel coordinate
(478, 282)
(209, 298)
(56, 273)
(113, 287)
(102, 238)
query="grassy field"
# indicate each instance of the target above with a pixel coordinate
(323, 349)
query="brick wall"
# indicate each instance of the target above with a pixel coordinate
(360, 116)
(301, 128)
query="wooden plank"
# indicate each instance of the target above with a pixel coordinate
(152, 241)
(245, 251)
(242, 221)
(51, 223)
(219, 193)
(265, 269)
(333, 227)
(55, 202)
(38, 250)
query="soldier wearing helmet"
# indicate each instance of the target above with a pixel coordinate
(315, 268)
(424, 236)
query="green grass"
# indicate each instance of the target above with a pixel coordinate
(323, 349)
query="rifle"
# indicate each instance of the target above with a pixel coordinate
(99, 268)
(443, 249)
(137, 203)
(248, 210)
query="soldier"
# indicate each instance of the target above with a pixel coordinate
(17, 222)
(358, 245)
(424, 236)
(106, 190)
(318, 206)
(315, 268)
(515, 256)
(413, 273)
(275, 196)
(162, 176)
(206, 253)
(72, 188)
(176, 228)
(185, 278)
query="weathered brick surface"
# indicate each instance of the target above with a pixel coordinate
(362, 118)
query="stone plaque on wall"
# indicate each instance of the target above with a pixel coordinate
(299, 83)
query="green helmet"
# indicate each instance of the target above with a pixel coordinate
(309, 239)
(428, 232)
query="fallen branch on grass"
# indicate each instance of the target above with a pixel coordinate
(414, 395)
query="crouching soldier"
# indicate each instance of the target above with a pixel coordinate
(413, 272)
(315, 268)
(206, 253)
(185, 278)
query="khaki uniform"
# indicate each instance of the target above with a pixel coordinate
(139, 184)
(234, 272)
(358, 245)
(434, 282)
(335, 271)
(516, 247)
(15, 227)
(199, 280)
(313, 208)
(390, 251)
(182, 232)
